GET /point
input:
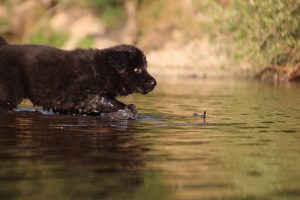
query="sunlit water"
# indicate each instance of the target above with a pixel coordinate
(248, 148)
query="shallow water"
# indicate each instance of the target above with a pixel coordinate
(248, 148)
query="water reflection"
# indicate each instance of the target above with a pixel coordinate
(247, 148)
(43, 156)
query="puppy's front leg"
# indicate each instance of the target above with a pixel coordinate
(95, 104)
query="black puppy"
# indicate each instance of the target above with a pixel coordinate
(82, 81)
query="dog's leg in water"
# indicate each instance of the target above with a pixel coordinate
(113, 108)
(96, 104)
(104, 104)
(7, 102)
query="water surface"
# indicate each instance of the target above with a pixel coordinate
(248, 148)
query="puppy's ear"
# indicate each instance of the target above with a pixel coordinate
(112, 59)
(119, 60)
(121, 68)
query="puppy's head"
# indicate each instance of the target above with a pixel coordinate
(130, 65)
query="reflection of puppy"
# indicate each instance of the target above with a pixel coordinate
(79, 81)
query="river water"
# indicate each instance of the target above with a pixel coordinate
(248, 147)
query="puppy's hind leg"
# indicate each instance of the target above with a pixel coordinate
(7, 102)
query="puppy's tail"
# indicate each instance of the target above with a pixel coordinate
(3, 41)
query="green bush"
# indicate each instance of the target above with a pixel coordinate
(268, 30)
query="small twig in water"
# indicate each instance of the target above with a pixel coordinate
(204, 115)
(201, 115)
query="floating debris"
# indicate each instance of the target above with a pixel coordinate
(201, 115)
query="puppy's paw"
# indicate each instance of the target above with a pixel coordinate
(127, 113)
(131, 108)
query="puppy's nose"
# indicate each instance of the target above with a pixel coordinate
(152, 83)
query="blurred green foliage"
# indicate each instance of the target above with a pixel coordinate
(261, 32)
(267, 30)
(49, 38)
(112, 16)
(105, 3)
(86, 42)
(3, 23)
(110, 11)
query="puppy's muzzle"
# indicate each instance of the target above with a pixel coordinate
(149, 86)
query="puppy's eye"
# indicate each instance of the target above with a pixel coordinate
(138, 70)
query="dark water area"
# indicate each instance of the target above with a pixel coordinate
(248, 148)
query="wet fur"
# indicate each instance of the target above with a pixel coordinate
(79, 81)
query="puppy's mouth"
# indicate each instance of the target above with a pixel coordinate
(144, 90)
(149, 86)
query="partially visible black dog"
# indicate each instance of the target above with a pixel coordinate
(82, 81)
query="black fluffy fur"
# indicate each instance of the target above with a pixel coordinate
(79, 81)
